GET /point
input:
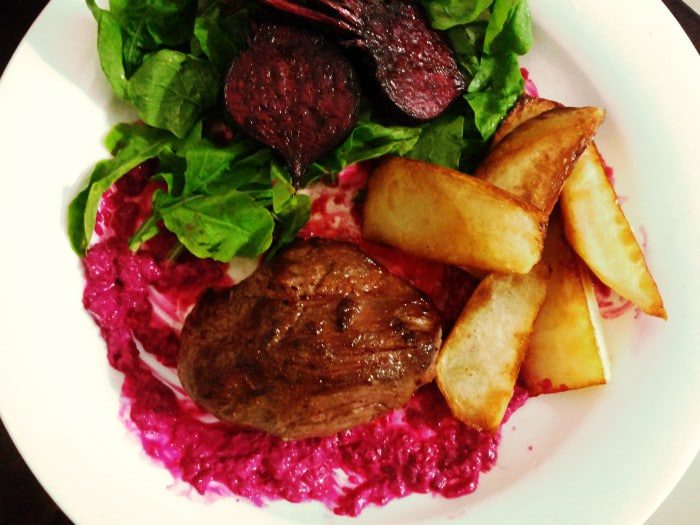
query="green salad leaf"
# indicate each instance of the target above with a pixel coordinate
(132, 144)
(282, 189)
(509, 29)
(368, 140)
(149, 25)
(109, 48)
(168, 58)
(467, 41)
(220, 226)
(209, 165)
(486, 43)
(146, 232)
(171, 90)
(221, 37)
(493, 91)
(210, 174)
(444, 14)
(441, 140)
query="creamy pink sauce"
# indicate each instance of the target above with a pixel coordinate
(139, 302)
(530, 87)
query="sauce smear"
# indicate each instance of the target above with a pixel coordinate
(139, 301)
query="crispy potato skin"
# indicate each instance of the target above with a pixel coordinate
(535, 159)
(598, 231)
(594, 223)
(525, 109)
(444, 215)
(566, 349)
(480, 360)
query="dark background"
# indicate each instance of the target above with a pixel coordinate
(22, 500)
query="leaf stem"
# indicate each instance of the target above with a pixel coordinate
(175, 252)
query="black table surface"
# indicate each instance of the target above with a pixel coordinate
(22, 499)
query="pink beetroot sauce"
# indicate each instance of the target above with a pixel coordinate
(139, 302)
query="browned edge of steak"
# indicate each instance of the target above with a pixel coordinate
(320, 340)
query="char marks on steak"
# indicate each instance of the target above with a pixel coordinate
(295, 92)
(318, 341)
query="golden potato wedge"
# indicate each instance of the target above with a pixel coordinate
(566, 349)
(533, 161)
(525, 109)
(479, 362)
(444, 215)
(599, 233)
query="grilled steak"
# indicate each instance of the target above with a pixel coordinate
(319, 340)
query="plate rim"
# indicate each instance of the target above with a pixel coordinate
(692, 443)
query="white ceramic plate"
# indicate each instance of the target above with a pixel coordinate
(606, 455)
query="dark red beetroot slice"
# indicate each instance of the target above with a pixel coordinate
(295, 92)
(414, 63)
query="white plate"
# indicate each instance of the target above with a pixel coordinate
(606, 455)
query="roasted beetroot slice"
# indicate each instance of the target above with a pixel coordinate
(414, 64)
(295, 92)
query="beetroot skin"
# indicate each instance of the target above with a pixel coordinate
(295, 92)
(414, 63)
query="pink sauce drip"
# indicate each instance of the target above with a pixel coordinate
(610, 303)
(418, 449)
(609, 171)
(547, 387)
(530, 87)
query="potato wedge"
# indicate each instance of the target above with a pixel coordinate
(444, 215)
(598, 231)
(566, 349)
(533, 161)
(525, 109)
(479, 362)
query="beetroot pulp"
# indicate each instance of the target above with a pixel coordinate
(139, 302)
(295, 92)
(413, 63)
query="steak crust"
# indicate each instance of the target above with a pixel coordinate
(320, 340)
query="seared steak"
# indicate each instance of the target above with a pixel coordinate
(319, 340)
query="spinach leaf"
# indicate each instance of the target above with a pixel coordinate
(171, 90)
(369, 140)
(467, 42)
(493, 91)
(220, 226)
(440, 140)
(206, 163)
(509, 29)
(282, 189)
(133, 144)
(251, 173)
(147, 230)
(109, 48)
(486, 43)
(213, 171)
(242, 164)
(221, 37)
(291, 218)
(444, 14)
(291, 210)
(151, 24)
